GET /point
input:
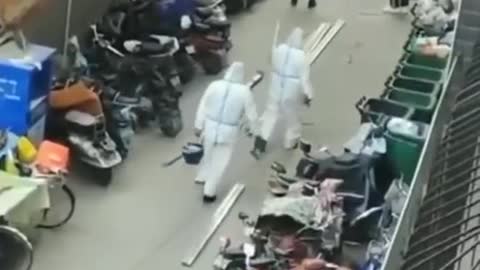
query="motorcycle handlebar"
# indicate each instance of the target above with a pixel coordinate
(360, 103)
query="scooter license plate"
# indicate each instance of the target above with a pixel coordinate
(221, 263)
(190, 49)
(175, 81)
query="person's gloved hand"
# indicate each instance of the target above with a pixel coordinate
(197, 132)
(248, 131)
(307, 101)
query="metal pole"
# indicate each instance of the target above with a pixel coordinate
(328, 37)
(316, 37)
(67, 30)
(218, 218)
(319, 39)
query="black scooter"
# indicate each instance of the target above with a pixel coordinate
(153, 77)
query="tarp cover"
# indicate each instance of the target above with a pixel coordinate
(303, 209)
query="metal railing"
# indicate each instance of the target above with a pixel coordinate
(440, 225)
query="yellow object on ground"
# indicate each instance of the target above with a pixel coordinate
(26, 150)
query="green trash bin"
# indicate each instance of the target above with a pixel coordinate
(423, 105)
(416, 39)
(427, 61)
(411, 42)
(405, 140)
(412, 85)
(377, 110)
(419, 73)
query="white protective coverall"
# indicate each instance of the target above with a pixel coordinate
(289, 86)
(219, 116)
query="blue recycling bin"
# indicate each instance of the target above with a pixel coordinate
(24, 88)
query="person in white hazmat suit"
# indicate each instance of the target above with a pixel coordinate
(290, 88)
(219, 116)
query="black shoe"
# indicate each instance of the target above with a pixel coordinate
(294, 3)
(209, 199)
(260, 144)
(259, 148)
(312, 3)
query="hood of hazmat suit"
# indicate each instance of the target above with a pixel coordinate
(295, 40)
(223, 105)
(290, 76)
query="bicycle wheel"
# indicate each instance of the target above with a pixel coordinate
(62, 208)
(16, 252)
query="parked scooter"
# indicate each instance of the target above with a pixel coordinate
(153, 77)
(122, 119)
(144, 18)
(390, 214)
(210, 18)
(281, 237)
(356, 166)
(119, 119)
(206, 39)
(86, 133)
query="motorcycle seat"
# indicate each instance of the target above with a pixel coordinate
(287, 180)
(218, 24)
(148, 48)
(126, 100)
(260, 263)
(204, 11)
(81, 118)
(214, 38)
(158, 48)
(208, 3)
(109, 77)
(233, 253)
(278, 167)
(211, 23)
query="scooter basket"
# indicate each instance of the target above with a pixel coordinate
(192, 153)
